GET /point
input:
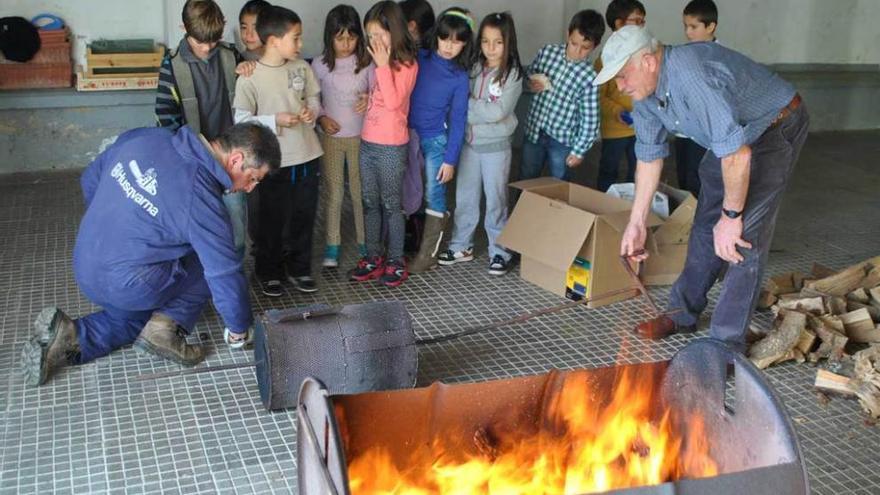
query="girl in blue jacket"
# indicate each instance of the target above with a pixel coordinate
(438, 114)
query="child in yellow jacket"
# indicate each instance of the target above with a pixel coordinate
(618, 135)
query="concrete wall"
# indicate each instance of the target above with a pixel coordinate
(771, 31)
(776, 31)
(64, 129)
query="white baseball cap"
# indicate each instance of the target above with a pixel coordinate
(621, 45)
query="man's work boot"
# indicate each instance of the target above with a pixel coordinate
(162, 337)
(661, 327)
(435, 228)
(53, 346)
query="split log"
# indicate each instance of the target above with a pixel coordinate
(867, 361)
(781, 284)
(755, 334)
(835, 305)
(873, 311)
(874, 292)
(859, 295)
(779, 341)
(832, 340)
(793, 354)
(833, 383)
(821, 271)
(866, 379)
(867, 391)
(766, 299)
(806, 341)
(861, 275)
(813, 305)
(834, 323)
(860, 327)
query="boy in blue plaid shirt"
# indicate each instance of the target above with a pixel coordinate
(563, 119)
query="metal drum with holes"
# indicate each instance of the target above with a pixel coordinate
(351, 349)
(746, 430)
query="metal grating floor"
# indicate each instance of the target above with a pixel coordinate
(93, 430)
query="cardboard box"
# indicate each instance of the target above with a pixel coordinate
(554, 222)
(667, 242)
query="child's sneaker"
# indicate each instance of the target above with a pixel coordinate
(331, 257)
(238, 340)
(450, 257)
(304, 284)
(368, 268)
(498, 266)
(272, 288)
(395, 273)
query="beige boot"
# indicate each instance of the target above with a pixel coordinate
(435, 229)
(163, 338)
(54, 345)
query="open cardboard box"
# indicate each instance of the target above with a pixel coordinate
(556, 221)
(668, 242)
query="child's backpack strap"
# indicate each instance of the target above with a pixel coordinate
(227, 62)
(187, 89)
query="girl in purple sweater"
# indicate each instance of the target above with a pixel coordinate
(438, 114)
(342, 70)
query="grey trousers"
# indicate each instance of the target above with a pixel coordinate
(478, 173)
(774, 155)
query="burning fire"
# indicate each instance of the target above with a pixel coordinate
(578, 449)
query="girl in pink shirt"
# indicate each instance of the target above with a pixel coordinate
(343, 72)
(384, 141)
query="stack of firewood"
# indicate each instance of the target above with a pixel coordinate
(827, 315)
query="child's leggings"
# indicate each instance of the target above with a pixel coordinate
(340, 153)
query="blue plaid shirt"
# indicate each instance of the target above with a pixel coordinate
(569, 112)
(719, 97)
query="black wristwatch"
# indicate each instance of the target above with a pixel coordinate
(731, 213)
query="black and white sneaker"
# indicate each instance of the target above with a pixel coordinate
(498, 266)
(304, 284)
(272, 288)
(450, 257)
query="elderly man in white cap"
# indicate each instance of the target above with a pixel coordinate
(752, 123)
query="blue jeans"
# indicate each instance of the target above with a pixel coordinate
(547, 148)
(609, 162)
(774, 155)
(236, 205)
(433, 149)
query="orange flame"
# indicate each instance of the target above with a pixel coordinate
(579, 449)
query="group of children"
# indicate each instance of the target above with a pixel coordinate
(396, 106)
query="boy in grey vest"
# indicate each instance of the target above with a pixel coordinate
(196, 88)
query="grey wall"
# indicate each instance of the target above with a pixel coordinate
(64, 129)
(771, 31)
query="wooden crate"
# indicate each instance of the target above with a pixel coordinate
(25, 76)
(50, 68)
(116, 65)
(86, 83)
